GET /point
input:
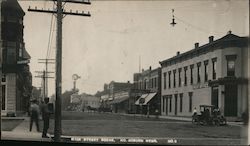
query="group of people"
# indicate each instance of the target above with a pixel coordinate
(35, 111)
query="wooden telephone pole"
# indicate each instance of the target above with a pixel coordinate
(59, 15)
(44, 76)
(46, 62)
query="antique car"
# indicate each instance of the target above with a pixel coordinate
(209, 115)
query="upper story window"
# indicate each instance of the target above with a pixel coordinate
(185, 75)
(151, 83)
(179, 77)
(231, 65)
(191, 74)
(214, 64)
(164, 80)
(198, 72)
(145, 84)
(174, 72)
(205, 71)
(169, 79)
(155, 82)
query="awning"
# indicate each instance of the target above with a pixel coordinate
(148, 98)
(140, 99)
(119, 100)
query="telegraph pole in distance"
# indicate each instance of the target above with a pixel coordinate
(46, 62)
(59, 13)
(44, 77)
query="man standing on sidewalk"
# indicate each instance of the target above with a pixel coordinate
(34, 114)
(45, 116)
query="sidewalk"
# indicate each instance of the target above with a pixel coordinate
(21, 132)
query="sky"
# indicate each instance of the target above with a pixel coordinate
(109, 45)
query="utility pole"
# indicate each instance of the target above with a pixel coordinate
(46, 62)
(59, 14)
(44, 77)
(1, 61)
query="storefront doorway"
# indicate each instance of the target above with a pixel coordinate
(215, 94)
(231, 100)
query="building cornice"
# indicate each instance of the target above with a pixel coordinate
(230, 40)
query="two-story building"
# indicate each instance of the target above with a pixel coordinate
(16, 78)
(214, 74)
(111, 96)
(149, 82)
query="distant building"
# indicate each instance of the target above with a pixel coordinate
(148, 82)
(75, 98)
(213, 74)
(16, 79)
(84, 101)
(90, 101)
(109, 95)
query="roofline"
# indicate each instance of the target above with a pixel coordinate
(222, 39)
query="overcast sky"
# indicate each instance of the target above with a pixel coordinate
(107, 46)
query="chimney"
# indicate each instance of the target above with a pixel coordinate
(150, 68)
(196, 45)
(128, 81)
(177, 53)
(229, 32)
(142, 70)
(211, 39)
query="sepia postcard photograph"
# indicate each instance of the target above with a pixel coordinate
(125, 72)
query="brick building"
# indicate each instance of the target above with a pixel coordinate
(149, 82)
(214, 74)
(110, 96)
(16, 78)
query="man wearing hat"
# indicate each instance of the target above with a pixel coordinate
(34, 114)
(45, 116)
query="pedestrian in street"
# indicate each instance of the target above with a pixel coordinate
(34, 114)
(194, 112)
(45, 117)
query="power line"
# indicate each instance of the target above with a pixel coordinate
(196, 27)
(59, 15)
(50, 34)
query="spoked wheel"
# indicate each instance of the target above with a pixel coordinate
(216, 122)
(195, 120)
(223, 121)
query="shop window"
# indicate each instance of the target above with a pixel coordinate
(181, 99)
(190, 101)
(170, 103)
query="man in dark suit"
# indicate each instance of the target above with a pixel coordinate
(45, 116)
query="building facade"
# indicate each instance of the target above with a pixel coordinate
(16, 78)
(90, 102)
(111, 93)
(148, 82)
(213, 74)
